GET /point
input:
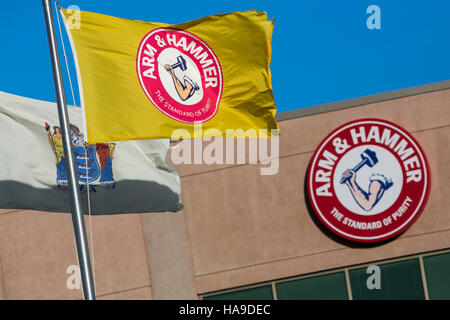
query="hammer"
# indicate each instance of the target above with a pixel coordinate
(369, 157)
(181, 63)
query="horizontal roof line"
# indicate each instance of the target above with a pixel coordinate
(344, 104)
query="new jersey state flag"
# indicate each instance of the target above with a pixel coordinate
(143, 80)
(122, 177)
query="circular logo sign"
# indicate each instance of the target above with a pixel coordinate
(180, 74)
(368, 180)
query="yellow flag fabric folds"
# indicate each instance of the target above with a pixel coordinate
(143, 80)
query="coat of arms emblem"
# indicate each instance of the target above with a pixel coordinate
(93, 162)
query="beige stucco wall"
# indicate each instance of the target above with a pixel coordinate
(37, 247)
(237, 228)
(246, 228)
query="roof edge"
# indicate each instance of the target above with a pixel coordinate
(350, 103)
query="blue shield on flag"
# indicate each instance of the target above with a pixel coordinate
(86, 163)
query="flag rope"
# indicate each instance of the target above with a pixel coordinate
(90, 215)
(64, 50)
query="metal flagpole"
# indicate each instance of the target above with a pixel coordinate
(77, 216)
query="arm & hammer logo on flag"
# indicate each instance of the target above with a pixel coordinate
(154, 78)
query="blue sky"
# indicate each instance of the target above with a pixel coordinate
(322, 50)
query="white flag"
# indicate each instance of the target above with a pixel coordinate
(122, 177)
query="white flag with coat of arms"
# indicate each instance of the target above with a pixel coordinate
(122, 177)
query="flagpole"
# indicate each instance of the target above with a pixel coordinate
(77, 216)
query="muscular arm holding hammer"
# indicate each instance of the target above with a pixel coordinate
(366, 200)
(184, 91)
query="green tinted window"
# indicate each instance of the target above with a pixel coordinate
(260, 293)
(437, 270)
(399, 280)
(326, 287)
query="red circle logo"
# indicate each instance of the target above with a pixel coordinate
(368, 180)
(180, 74)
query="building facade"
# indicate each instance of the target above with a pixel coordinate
(243, 235)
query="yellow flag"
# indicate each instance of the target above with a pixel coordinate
(143, 80)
